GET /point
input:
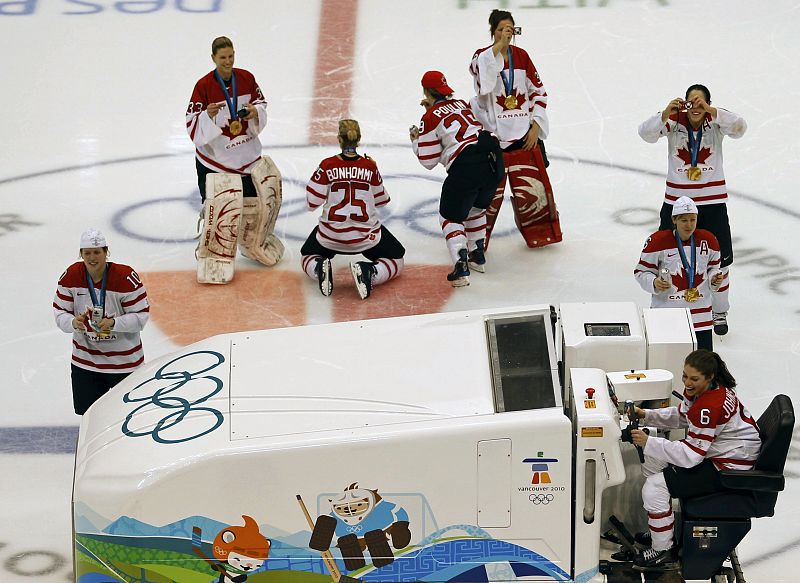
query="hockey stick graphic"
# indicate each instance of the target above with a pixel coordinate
(327, 557)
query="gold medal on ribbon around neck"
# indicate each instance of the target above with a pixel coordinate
(511, 102)
(692, 294)
(236, 127)
(694, 173)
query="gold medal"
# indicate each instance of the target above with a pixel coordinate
(511, 102)
(691, 295)
(694, 173)
(236, 127)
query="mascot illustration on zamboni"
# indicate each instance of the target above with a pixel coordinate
(362, 520)
(238, 551)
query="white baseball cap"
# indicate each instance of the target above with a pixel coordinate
(92, 238)
(684, 206)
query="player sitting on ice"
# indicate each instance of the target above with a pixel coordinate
(449, 134)
(349, 188)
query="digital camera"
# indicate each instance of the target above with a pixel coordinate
(242, 113)
(517, 30)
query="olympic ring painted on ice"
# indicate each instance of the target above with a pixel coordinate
(162, 394)
(541, 498)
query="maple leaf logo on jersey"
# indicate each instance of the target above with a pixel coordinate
(681, 282)
(501, 100)
(686, 156)
(226, 131)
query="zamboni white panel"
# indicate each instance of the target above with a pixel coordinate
(670, 337)
(605, 351)
(642, 385)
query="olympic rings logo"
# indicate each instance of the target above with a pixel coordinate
(541, 498)
(178, 387)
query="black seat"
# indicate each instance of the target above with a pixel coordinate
(752, 493)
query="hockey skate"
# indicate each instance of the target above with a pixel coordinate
(652, 560)
(325, 276)
(476, 258)
(363, 272)
(721, 323)
(459, 277)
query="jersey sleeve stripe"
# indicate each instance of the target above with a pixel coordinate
(694, 448)
(136, 300)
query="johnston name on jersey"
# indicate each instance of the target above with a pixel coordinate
(445, 130)
(661, 250)
(126, 302)
(711, 188)
(215, 147)
(350, 191)
(489, 103)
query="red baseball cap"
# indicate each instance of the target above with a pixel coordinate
(435, 80)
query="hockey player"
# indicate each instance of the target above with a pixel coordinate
(225, 116)
(104, 306)
(511, 103)
(680, 268)
(349, 188)
(694, 131)
(449, 134)
(722, 435)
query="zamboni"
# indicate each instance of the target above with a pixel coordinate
(457, 447)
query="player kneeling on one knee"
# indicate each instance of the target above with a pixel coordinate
(721, 435)
(349, 188)
(449, 134)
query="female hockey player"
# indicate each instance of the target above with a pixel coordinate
(450, 135)
(694, 131)
(510, 101)
(681, 269)
(104, 306)
(722, 435)
(349, 188)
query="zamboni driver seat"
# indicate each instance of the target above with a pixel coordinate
(715, 523)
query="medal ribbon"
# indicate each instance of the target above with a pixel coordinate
(233, 105)
(90, 285)
(508, 82)
(694, 146)
(688, 268)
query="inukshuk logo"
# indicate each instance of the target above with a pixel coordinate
(177, 388)
(540, 467)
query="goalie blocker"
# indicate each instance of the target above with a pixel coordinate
(225, 208)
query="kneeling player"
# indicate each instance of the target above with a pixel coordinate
(449, 134)
(349, 188)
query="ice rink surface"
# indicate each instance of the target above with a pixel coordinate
(94, 136)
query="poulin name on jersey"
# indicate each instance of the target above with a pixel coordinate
(349, 173)
(447, 108)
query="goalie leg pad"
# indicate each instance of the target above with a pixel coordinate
(256, 239)
(222, 212)
(535, 210)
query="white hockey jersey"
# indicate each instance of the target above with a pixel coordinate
(350, 191)
(711, 188)
(126, 302)
(489, 103)
(661, 250)
(718, 426)
(445, 130)
(216, 147)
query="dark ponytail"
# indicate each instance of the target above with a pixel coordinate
(496, 17)
(710, 365)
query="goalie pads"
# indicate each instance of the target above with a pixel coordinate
(222, 212)
(256, 240)
(535, 210)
